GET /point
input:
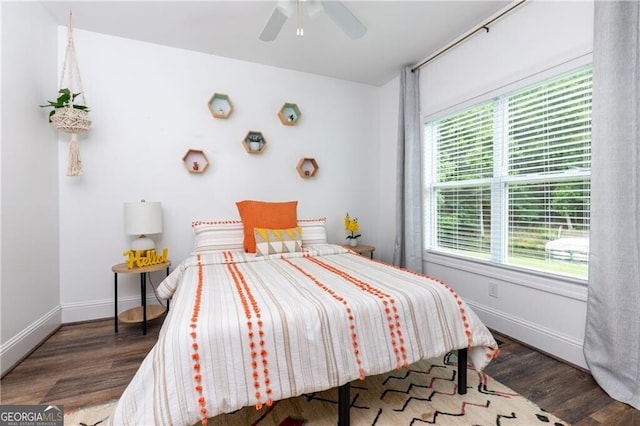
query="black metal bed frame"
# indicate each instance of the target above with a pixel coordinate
(344, 399)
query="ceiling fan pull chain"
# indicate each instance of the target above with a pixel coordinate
(300, 30)
(335, 9)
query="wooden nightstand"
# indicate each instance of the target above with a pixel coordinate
(361, 249)
(139, 313)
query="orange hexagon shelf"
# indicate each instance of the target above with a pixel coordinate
(307, 167)
(195, 161)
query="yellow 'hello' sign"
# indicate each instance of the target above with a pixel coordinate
(140, 258)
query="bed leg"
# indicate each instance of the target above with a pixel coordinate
(343, 404)
(462, 371)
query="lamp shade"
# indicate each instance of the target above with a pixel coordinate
(143, 218)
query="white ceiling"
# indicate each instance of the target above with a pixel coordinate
(400, 33)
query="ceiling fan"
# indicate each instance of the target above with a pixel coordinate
(336, 10)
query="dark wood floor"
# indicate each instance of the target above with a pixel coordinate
(87, 364)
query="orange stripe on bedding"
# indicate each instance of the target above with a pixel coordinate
(195, 355)
(390, 309)
(461, 309)
(251, 309)
(347, 309)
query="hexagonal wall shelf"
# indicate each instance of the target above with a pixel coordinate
(195, 161)
(254, 142)
(289, 114)
(220, 105)
(307, 167)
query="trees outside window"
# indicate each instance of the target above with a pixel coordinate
(508, 180)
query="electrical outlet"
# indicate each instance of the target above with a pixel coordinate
(493, 290)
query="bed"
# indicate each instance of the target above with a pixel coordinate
(247, 329)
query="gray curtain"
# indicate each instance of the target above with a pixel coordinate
(407, 251)
(612, 341)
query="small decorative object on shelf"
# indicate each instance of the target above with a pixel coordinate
(351, 225)
(195, 161)
(307, 167)
(220, 105)
(254, 142)
(289, 114)
(140, 258)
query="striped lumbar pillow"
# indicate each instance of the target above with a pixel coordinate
(217, 235)
(313, 231)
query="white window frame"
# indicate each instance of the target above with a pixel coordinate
(499, 183)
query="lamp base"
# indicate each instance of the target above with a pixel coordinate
(143, 243)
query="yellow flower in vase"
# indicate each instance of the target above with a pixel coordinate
(351, 225)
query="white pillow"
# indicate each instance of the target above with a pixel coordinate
(313, 231)
(218, 235)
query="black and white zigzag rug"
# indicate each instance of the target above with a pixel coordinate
(423, 394)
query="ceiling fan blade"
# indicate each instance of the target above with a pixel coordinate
(273, 25)
(344, 19)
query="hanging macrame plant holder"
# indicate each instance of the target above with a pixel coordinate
(69, 119)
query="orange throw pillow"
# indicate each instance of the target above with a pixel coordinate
(263, 214)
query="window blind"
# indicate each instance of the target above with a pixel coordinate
(464, 170)
(549, 145)
(512, 177)
(465, 145)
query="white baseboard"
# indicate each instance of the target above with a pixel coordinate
(97, 309)
(15, 349)
(20, 345)
(546, 340)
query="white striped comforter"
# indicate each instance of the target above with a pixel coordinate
(245, 330)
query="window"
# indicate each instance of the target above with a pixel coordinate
(508, 180)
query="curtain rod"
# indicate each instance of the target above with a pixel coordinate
(484, 26)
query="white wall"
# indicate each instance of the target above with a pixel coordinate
(532, 39)
(385, 172)
(544, 312)
(149, 106)
(30, 286)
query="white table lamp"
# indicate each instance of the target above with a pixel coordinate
(143, 218)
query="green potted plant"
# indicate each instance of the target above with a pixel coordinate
(67, 115)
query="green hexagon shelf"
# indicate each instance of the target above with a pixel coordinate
(289, 114)
(220, 105)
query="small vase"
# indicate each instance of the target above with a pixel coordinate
(353, 242)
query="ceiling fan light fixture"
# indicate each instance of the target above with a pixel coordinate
(335, 9)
